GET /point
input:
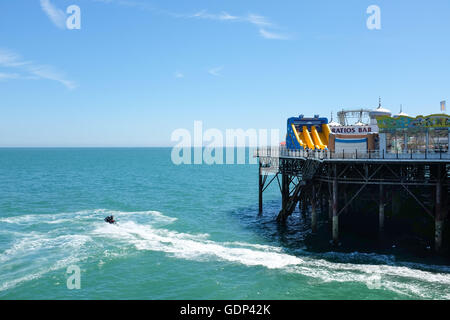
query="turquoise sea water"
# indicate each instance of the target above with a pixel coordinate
(184, 232)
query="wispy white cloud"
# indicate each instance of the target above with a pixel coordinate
(273, 35)
(223, 16)
(7, 76)
(130, 3)
(10, 59)
(258, 20)
(50, 73)
(215, 71)
(57, 16)
(262, 23)
(178, 75)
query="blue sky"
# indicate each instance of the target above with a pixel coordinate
(137, 70)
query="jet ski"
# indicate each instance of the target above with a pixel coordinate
(110, 220)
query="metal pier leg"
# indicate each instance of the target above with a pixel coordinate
(395, 205)
(330, 209)
(304, 207)
(335, 209)
(313, 210)
(381, 210)
(284, 190)
(439, 221)
(260, 190)
(322, 206)
(345, 198)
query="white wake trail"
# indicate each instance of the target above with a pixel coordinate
(400, 279)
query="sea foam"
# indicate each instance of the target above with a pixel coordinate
(62, 244)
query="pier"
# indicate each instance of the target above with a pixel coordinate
(333, 181)
(382, 160)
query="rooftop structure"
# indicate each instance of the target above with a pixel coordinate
(379, 112)
(401, 113)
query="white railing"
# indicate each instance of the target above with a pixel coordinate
(283, 152)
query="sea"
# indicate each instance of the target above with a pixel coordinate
(183, 232)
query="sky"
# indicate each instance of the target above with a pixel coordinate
(137, 70)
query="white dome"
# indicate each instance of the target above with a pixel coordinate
(380, 111)
(334, 124)
(401, 114)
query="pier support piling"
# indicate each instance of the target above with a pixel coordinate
(304, 208)
(335, 209)
(284, 190)
(381, 210)
(439, 215)
(313, 210)
(260, 194)
(330, 209)
(438, 234)
(345, 192)
(322, 204)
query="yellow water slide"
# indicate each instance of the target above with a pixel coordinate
(324, 139)
(307, 138)
(299, 139)
(316, 138)
(325, 134)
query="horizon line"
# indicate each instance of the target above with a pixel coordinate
(109, 147)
